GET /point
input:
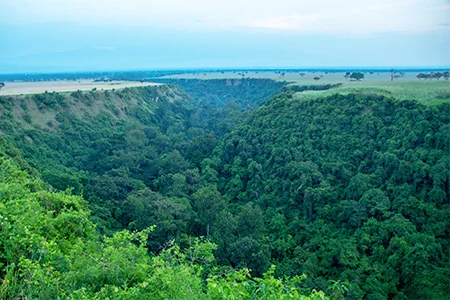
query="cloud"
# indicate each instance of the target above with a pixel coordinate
(306, 16)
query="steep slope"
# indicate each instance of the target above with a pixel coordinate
(41, 111)
(246, 92)
(125, 151)
(352, 187)
(74, 131)
(75, 139)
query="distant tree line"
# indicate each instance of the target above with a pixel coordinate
(436, 75)
(303, 88)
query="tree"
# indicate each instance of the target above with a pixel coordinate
(2, 84)
(421, 76)
(316, 78)
(250, 221)
(376, 202)
(438, 75)
(208, 203)
(446, 75)
(359, 184)
(357, 76)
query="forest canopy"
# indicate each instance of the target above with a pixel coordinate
(227, 191)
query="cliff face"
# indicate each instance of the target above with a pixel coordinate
(41, 111)
(64, 135)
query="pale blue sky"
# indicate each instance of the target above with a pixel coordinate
(80, 35)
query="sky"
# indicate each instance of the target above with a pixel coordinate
(96, 35)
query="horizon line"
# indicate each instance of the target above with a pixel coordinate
(213, 69)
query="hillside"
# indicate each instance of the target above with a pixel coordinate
(247, 92)
(41, 111)
(50, 250)
(107, 144)
(350, 187)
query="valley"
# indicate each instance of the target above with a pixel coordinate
(342, 184)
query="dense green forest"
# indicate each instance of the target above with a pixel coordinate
(353, 187)
(51, 250)
(246, 92)
(350, 193)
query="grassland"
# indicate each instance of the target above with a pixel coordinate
(430, 93)
(25, 88)
(408, 87)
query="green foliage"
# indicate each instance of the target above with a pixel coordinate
(48, 100)
(357, 76)
(351, 190)
(235, 285)
(246, 91)
(317, 87)
(50, 250)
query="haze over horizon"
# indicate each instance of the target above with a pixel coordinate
(56, 36)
